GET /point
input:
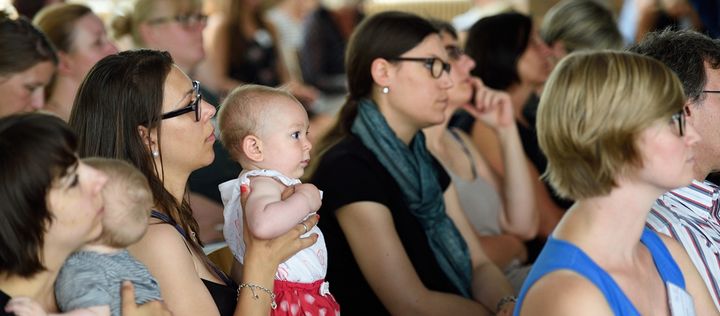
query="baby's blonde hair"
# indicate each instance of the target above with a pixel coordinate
(123, 178)
(245, 112)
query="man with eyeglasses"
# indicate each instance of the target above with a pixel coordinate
(691, 214)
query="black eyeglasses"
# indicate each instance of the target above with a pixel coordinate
(711, 91)
(434, 64)
(186, 20)
(454, 52)
(679, 120)
(193, 106)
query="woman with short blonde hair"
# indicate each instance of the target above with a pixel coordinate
(613, 129)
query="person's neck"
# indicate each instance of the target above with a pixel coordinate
(403, 129)
(101, 248)
(174, 182)
(700, 173)
(436, 136)
(39, 287)
(61, 100)
(609, 228)
(519, 95)
(293, 9)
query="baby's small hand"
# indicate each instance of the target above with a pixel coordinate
(24, 306)
(312, 194)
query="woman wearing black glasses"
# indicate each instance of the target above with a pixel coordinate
(140, 107)
(398, 242)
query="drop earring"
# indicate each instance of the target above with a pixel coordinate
(385, 90)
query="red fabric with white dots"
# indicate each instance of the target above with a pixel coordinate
(304, 299)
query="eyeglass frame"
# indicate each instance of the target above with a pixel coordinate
(679, 117)
(186, 20)
(428, 63)
(193, 106)
(711, 91)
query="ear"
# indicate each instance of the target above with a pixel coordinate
(149, 138)
(252, 147)
(65, 64)
(382, 72)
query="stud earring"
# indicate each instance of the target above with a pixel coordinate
(385, 90)
(155, 154)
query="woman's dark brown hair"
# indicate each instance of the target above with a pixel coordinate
(22, 46)
(35, 150)
(120, 93)
(384, 35)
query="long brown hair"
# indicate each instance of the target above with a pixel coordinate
(120, 93)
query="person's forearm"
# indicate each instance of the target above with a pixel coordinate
(519, 217)
(503, 249)
(277, 218)
(490, 285)
(255, 273)
(440, 303)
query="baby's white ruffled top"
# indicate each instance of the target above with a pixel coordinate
(306, 266)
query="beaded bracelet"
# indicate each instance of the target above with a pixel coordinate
(503, 301)
(252, 288)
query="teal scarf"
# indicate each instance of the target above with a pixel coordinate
(412, 168)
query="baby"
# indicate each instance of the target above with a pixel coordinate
(265, 130)
(91, 278)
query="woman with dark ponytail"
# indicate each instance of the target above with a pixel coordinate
(398, 241)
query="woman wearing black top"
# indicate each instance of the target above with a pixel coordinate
(140, 107)
(398, 242)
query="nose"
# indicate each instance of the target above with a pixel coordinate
(37, 98)
(446, 81)
(208, 110)
(307, 145)
(468, 62)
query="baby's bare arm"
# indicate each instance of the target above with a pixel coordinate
(269, 216)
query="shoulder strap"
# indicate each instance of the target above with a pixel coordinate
(166, 219)
(455, 135)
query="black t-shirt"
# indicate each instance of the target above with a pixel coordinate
(4, 299)
(350, 173)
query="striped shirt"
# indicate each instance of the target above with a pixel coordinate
(690, 216)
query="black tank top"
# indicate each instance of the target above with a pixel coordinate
(224, 295)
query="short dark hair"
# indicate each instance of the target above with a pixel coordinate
(23, 45)
(35, 149)
(685, 53)
(496, 43)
